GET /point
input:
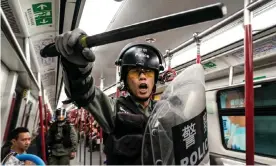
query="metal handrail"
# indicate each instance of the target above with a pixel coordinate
(269, 79)
(6, 28)
(239, 14)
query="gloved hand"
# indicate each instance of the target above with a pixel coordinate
(65, 44)
(77, 67)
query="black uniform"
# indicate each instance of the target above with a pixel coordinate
(123, 145)
(62, 140)
(123, 120)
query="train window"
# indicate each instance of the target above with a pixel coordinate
(232, 118)
(265, 134)
(234, 98)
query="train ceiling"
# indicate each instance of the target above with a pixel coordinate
(39, 21)
(133, 11)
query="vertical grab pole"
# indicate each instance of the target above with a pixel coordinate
(170, 59)
(84, 152)
(43, 149)
(35, 120)
(101, 135)
(46, 117)
(101, 145)
(117, 80)
(10, 117)
(249, 91)
(231, 70)
(80, 129)
(24, 113)
(197, 40)
(90, 141)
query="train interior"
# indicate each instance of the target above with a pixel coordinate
(27, 26)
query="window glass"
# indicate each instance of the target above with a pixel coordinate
(265, 134)
(231, 99)
(265, 96)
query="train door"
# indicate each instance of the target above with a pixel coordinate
(28, 114)
(15, 114)
(22, 108)
(10, 109)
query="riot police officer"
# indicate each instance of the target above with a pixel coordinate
(62, 140)
(123, 120)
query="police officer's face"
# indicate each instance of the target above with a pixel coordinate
(23, 141)
(141, 81)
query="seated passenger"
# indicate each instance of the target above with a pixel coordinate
(19, 142)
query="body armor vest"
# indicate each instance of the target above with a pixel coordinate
(61, 138)
(123, 146)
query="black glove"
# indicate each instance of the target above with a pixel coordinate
(66, 45)
(77, 67)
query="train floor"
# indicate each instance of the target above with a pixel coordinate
(84, 158)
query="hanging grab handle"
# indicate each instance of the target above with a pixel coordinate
(198, 42)
(170, 74)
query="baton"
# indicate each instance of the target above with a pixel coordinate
(164, 23)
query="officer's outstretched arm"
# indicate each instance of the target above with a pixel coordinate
(79, 83)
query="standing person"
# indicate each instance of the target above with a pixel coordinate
(62, 140)
(124, 119)
(19, 142)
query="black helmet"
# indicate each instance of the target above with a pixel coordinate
(140, 55)
(60, 114)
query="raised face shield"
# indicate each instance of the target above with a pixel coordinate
(60, 114)
(176, 132)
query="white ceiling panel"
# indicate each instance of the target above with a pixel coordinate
(133, 11)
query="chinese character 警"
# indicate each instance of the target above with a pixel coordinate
(189, 135)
